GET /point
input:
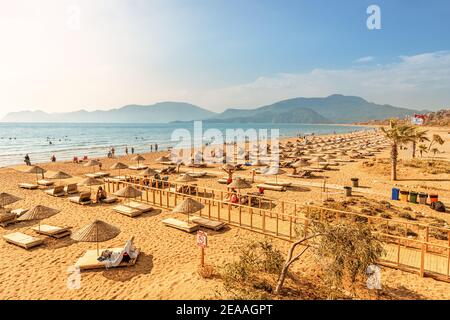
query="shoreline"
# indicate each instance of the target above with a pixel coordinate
(283, 138)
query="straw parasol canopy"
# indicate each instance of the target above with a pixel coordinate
(128, 192)
(96, 231)
(92, 163)
(38, 213)
(148, 172)
(239, 183)
(138, 158)
(163, 159)
(60, 175)
(36, 170)
(118, 166)
(227, 167)
(188, 207)
(185, 178)
(7, 198)
(89, 182)
(318, 159)
(274, 171)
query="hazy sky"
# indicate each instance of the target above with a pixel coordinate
(59, 55)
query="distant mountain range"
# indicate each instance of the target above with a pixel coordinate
(333, 109)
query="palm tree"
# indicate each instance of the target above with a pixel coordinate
(419, 136)
(436, 139)
(399, 135)
(422, 148)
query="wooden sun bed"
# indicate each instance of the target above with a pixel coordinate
(109, 200)
(127, 211)
(18, 212)
(22, 240)
(181, 225)
(97, 175)
(140, 206)
(198, 174)
(83, 198)
(71, 188)
(282, 184)
(29, 186)
(271, 187)
(7, 222)
(141, 167)
(45, 183)
(207, 223)
(52, 231)
(89, 260)
(56, 191)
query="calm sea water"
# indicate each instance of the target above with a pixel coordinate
(79, 139)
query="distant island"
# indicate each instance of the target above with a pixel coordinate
(334, 109)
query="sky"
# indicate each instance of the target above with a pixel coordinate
(61, 55)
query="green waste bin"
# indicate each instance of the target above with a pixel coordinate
(413, 197)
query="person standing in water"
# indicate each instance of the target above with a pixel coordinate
(27, 160)
(156, 147)
(126, 150)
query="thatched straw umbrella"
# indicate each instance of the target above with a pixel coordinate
(92, 163)
(89, 182)
(185, 178)
(188, 207)
(229, 169)
(60, 175)
(97, 231)
(148, 172)
(38, 213)
(36, 170)
(7, 198)
(163, 159)
(128, 192)
(318, 159)
(274, 171)
(298, 164)
(239, 184)
(118, 166)
(138, 158)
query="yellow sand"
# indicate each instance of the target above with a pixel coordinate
(167, 267)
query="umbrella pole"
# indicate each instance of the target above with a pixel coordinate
(96, 229)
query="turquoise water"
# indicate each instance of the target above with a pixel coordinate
(94, 140)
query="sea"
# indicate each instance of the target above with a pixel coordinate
(66, 140)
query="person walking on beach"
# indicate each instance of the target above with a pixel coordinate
(156, 147)
(113, 151)
(151, 148)
(53, 158)
(126, 150)
(132, 150)
(27, 160)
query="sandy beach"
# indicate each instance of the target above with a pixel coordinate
(167, 265)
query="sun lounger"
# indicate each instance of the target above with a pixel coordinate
(83, 198)
(303, 174)
(271, 187)
(127, 211)
(97, 175)
(57, 191)
(167, 163)
(197, 174)
(207, 223)
(140, 206)
(30, 186)
(222, 181)
(141, 167)
(8, 218)
(52, 231)
(89, 259)
(45, 183)
(181, 225)
(71, 188)
(22, 240)
(18, 212)
(275, 183)
(109, 200)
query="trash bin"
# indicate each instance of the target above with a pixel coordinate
(433, 198)
(413, 197)
(348, 191)
(395, 194)
(355, 182)
(423, 198)
(404, 195)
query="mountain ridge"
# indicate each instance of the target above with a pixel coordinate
(335, 108)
